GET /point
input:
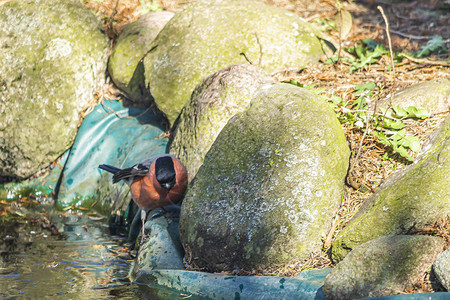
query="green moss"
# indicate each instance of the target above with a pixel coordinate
(190, 47)
(270, 183)
(413, 197)
(37, 76)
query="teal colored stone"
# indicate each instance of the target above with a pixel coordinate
(215, 286)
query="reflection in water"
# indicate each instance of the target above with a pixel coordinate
(87, 263)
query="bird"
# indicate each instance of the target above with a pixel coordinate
(155, 182)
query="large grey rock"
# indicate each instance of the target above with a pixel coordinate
(410, 199)
(442, 269)
(269, 185)
(382, 266)
(208, 36)
(214, 101)
(125, 63)
(52, 58)
(433, 95)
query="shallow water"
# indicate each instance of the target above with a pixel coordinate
(87, 263)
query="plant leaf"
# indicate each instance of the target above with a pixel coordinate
(417, 112)
(436, 43)
(391, 124)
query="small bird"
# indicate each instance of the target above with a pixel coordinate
(154, 182)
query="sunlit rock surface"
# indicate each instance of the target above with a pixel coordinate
(125, 65)
(213, 102)
(270, 183)
(442, 269)
(52, 58)
(410, 199)
(208, 36)
(433, 95)
(383, 266)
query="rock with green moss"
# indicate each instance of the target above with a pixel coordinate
(125, 65)
(410, 199)
(52, 59)
(441, 268)
(208, 36)
(433, 95)
(383, 266)
(269, 185)
(214, 101)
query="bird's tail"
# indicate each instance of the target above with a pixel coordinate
(109, 168)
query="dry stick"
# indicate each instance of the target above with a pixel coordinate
(122, 116)
(260, 49)
(114, 12)
(350, 179)
(390, 46)
(340, 30)
(444, 63)
(329, 238)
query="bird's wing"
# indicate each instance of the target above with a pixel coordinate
(109, 168)
(141, 169)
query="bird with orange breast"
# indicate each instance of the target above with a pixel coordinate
(154, 182)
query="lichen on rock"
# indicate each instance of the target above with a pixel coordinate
(410, 199)
(214, 101)
(269, 185)
(52, 59)
(205, 37)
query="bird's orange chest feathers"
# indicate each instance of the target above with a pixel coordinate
(147, 192)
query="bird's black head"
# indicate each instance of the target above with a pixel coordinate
(165, 172)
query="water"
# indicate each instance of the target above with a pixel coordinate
(85, 263)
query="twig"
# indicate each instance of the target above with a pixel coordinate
(260, 49)
(410, 36)
(246, 58)
(390, 45)
(340, 30)
(122, 116)
(146, 53)
(114, 12)
(445, 63)
(350, 179)
(328, 240)
(391, 100)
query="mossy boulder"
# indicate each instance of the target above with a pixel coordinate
(410, 199)
(125, 63)
(433, 95)
(441, 268)
(269, 185)
(214, 101)
(383, 266)
(208, 36)
(52, 59)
